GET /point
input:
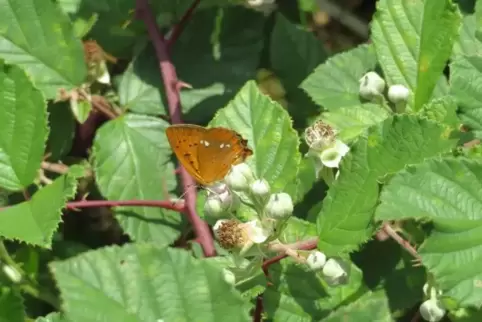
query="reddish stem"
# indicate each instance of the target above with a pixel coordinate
(258, 311)
(141, 203)
(179, 27)
(170, 80)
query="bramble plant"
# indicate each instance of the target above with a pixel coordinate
(360, 200)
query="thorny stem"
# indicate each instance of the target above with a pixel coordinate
(402, 242)
(109, 203)
(179, 27)
(302, 245)
(169, 77)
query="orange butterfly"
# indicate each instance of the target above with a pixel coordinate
(207, 153)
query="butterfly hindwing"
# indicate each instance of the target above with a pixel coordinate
(207, 154)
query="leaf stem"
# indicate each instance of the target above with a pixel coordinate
(171, 86)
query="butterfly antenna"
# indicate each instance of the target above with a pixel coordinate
(180, 198)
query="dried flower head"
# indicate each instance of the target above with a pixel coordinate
(319, 135)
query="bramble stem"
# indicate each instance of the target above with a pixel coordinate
(171, 87)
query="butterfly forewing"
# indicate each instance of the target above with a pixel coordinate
(207, 154)
(184, 141)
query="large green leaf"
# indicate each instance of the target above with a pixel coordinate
(132, 161)
(138, 283)
(351, 121)
(370, 307)
(413, 41)
(35, 221)
(117, 28)
(447, 191)
(216, 55)
(467, 43)
(23, 128)
(466, 81)
(11, 306)
(299, 294)
(345, 219)
(267, 127)
(294, 52)
(335, 83)
(52, 317)
(37, 36)
(62, 130)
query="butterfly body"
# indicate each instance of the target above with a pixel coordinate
(207, 153)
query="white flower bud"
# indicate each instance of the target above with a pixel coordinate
(333, 272)
(279, 206)
(260, 188)
(316, 260)
(371, 85)
(398, 93)
(12, 273)
(432, 310)
(219, 203)
(239, 177)
(229, 276)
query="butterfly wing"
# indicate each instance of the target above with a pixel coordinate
(185, 140)
(221, 148)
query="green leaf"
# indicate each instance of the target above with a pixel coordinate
(23, 130)
(37, 36)
(132, 161)
(294, 52)
(62, 130)
(145, 283)
(467, 43)
(413, 41)
(335, 83)
(11, 306)
(299, 294)
(267, 127)
(370, 307)
(117, 29)
(442, 110)
(226, 54)
(81, 109)
(52, 317)
(465, 79)
(352, 121)
(345, 219)
(447, 191)
(40, 216)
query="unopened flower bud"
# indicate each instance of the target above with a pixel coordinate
(279, 206)
(371, 86)
(229, 276)
(239, 177)
(260, 188)
(12, 273)
(316, 260)
(333, 272)
(398, 93)
(432, 310)
(218, 203)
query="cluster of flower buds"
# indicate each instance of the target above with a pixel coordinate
(432, 309)
(272, 209)
(372, 87)
(333, 272)
(324, 146)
